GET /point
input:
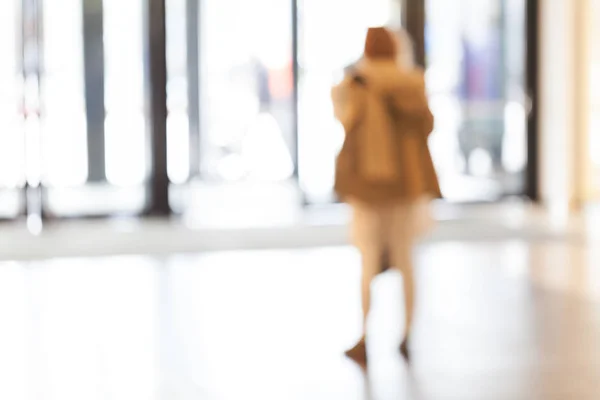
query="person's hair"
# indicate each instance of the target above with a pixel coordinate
(381, 44)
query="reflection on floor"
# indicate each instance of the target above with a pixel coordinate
(503, 320)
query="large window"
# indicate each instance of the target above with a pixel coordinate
(249, 127)
(476, 79)
(72, 107)
(247, 90)
(243, 76)
(231, 124)
(94, 145)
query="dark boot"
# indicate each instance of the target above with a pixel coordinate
(404, 350)
(358, 353)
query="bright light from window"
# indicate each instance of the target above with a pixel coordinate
(11, 143)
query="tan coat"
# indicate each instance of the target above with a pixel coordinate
(375, 168)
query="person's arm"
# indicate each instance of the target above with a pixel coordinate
(411, 96)
(346, 103)
(411, 102)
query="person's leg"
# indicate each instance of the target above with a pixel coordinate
(371, 265)
(404, 253)
(401, 247)
(366, 236)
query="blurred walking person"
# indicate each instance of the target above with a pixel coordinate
(384, 170)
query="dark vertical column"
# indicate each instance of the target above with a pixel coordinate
(93, 56)
(296, 75)
(193, 80)
(414, 23)
(532, 67)
(156, 105)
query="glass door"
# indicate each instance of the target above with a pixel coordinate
(231, 104)
(247, 90)
(476, 77)
(72, 110)
(76, 108)
(93, 146)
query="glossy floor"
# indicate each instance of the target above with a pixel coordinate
(505, 320)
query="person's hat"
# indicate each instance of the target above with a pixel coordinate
(380, 44)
